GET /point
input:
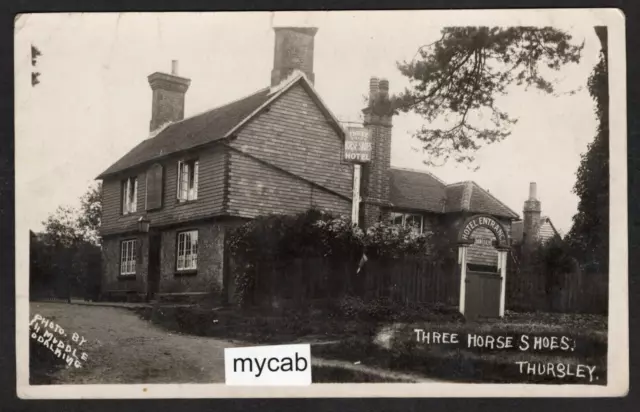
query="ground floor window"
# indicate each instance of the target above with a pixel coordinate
(128, 257)
(412, 220)
(187, 250)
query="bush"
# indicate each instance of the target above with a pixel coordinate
(314, 233)
(63, 270)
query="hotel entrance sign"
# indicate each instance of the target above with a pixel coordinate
(357, 145)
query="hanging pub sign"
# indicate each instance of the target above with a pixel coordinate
(357, 145)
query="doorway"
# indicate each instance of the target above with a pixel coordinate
(153, 276)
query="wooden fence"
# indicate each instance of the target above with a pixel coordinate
(577, 292)
(416, 280)
(404, 281)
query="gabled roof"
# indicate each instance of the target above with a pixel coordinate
(419, 190)
(213, 125)
(517, 228)
(469, 196)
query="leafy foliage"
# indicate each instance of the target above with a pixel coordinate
(589, 235)
(553, 258)
(68, 225)
(457, 79)
(65, 259)
(394, 241)
(91, 214)
(315, 233)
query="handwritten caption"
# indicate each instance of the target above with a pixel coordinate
(53, 337)
(522, 343)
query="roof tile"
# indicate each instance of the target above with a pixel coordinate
(191, 132)
(416, 190)
(423, 191)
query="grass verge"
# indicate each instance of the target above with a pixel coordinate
(356, 338)
(332, 374)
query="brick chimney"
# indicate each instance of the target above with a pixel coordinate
(375, 175)
(167, 103)
(531, 213)
(293, 50)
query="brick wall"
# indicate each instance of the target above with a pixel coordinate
(375, 182)
(293, 50)
(209, 274)
(167, 102)
(111, 279)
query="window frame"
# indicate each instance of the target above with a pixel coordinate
(395, 214)
(129, 199)
(129, 252)
(190, 193)
(193, 257)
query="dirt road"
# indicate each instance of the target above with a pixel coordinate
(123, 348)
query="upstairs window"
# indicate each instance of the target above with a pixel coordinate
(187, 180)
(128, 257)
(187, 250)
(411, 220)
(129, 195)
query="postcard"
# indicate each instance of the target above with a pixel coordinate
(321, 204)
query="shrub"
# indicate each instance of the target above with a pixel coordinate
(314, 233)
(393, 241)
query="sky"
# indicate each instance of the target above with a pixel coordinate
(93, 103)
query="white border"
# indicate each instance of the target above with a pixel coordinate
(618, 338)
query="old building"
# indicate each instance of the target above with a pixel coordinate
(534, 228)
(169, 203)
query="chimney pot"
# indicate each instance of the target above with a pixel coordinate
(374, 86)
(174, 67)
(533, 195)
(384, 87)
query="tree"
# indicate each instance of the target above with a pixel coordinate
(68, 225)
(70, 245)
(61, 227)
(91, 214)
(589, 234)
(457, 79)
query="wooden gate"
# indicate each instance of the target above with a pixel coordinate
(482, 297)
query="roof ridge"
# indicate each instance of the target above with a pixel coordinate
(223, 105)
(293, 77)
(494, 198)
(458, 183)
(166, 125)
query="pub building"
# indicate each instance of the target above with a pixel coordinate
(169, 203)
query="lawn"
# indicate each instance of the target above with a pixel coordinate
(396, 348)
(389, 342)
